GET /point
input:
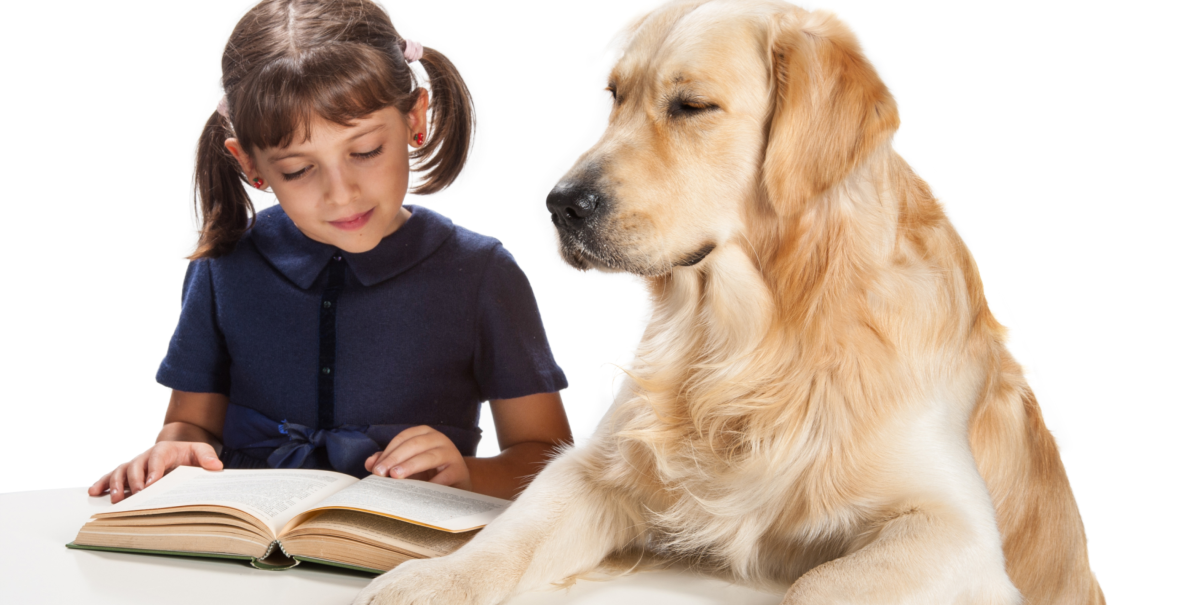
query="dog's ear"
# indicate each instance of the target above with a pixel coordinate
(831, 108)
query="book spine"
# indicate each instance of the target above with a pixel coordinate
(272, 562)
(271, 548)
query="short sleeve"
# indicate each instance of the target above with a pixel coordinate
(512, 356)
(197, 359)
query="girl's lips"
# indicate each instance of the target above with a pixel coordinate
(353, 223)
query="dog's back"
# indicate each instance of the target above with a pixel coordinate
(1045, 548)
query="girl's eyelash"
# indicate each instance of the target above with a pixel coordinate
(291, 176)
(370, 154)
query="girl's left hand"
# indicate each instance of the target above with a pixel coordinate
(422, 453)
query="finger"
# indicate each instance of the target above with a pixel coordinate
(117, 485)
(98, 488)
(156, 465)
(421, 476)
(401, 452)
(135, 474)
(370, 462)
(423, 461)
(206, 456)
(407, 435)
(450, 474)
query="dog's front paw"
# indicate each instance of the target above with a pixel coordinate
(442, 581)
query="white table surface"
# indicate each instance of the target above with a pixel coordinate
(36, 567)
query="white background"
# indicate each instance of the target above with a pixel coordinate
(1061, 138)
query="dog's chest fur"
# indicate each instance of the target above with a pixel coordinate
(747, 461)
(761, 448)
(708, 494)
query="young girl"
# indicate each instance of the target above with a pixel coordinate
(340, 329)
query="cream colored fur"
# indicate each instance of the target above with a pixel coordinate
(824, 403)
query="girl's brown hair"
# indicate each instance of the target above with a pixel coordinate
(288, 60)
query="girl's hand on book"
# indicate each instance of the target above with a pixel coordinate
(152, 464)
(422, 453)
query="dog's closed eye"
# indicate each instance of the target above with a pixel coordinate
(612, 90)
(686, 107)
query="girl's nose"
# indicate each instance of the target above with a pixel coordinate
(342, 188)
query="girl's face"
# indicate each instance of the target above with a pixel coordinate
(344, 186)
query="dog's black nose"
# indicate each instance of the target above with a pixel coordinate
(571, 203)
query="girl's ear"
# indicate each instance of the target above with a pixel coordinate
(243, 158)
(416, 118)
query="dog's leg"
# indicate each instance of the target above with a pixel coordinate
(561, 525)
(928, 554)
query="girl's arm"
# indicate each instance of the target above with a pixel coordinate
(195, 417)
(528, 428)
(191, 436)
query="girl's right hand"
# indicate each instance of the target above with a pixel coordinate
(152, 464)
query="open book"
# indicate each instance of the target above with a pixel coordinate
(275, 518)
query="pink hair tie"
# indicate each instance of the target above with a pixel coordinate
(223, 107)
(413, 51)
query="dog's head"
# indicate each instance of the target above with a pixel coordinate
(718, 107)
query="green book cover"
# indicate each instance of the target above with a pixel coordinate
(275, 561)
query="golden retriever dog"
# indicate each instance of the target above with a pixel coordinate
(822, 400)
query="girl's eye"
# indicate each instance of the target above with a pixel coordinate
(291, 176)
(370, 154)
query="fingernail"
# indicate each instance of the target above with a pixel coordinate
(397, 472)
(381, 470)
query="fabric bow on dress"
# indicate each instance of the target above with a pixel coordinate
(283, 444)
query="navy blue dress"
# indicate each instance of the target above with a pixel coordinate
(326, 355)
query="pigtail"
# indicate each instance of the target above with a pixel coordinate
(451, 124)
(221, 200)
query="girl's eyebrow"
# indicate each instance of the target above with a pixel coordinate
(276, 158)
(364, 133)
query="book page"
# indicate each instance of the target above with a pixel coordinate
(396, 535)
(420, 502)
(273, 496)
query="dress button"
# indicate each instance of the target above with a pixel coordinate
(326, 370)
(326, 304)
